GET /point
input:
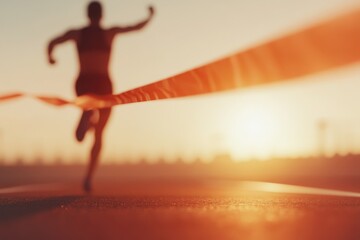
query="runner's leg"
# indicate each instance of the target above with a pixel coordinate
(84, 125)
(104, 115)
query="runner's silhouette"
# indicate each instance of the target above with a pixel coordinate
(94, 44)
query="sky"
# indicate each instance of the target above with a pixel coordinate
(259, 122)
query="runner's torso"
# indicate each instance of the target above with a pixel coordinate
(94, 49)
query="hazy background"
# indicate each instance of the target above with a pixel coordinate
(280, 119)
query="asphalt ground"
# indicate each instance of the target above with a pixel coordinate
(177, 210)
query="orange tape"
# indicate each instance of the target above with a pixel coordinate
(10, 96)
(324, 46)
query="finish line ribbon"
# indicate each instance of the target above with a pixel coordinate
(56, 101)
(324, 46)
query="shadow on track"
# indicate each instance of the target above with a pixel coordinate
(11, 209)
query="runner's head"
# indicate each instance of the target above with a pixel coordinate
(94, 11)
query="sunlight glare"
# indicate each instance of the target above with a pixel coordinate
(255, 126)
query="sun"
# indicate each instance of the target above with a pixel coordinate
(252, 130)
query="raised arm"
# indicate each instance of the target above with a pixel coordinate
(70, 35)
(138, 26)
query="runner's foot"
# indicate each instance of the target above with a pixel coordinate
(84, 125)
(87, 186)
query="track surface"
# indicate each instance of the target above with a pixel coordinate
(174, 210)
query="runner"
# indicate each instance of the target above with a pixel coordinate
(94, 44)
